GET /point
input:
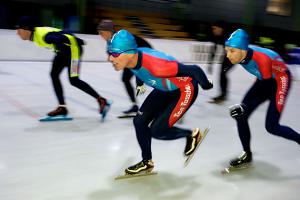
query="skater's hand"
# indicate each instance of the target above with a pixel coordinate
(140, 90)
(237, 110)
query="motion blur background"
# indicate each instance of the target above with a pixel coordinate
(271, 23)
(78, 159)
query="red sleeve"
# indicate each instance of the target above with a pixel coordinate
(159, 67)
(264, 63)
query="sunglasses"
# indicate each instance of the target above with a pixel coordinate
(115, 55)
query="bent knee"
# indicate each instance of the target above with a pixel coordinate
(157, 134)
(158, 131)
(139, 120)
(272, 129)
(74, 81)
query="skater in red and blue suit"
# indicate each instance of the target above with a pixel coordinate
(272, 84)
(175, 90)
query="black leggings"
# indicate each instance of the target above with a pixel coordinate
(157, 115)
(258, 93)
(126, 76)
(60, 61)
(226, 66)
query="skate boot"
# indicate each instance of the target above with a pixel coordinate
(104, 106)
(132, 111)
(192, 142)
(59, 114)
(244, 160)
(141, 167)
(218, 99)
(60, 110)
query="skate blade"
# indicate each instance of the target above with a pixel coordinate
(56, 118)
(189, 158)
(127, 176)
(126, 116)
(216, 102)
(231, 169)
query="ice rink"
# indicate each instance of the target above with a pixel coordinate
(78, 160)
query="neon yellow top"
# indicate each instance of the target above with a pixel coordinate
(39, 39)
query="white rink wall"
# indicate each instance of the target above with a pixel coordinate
(15, 49)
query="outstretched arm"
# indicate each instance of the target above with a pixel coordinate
(56, 38)
(196, 73)
(175, 69)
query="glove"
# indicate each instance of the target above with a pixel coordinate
(140, 90)
(237, 110)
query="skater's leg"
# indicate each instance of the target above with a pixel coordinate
(254, 97)
(275, 110)
(126, 76)
(152, 105)
(226, 66)
(57, 67)
(273, 126)
(75, 81)
(78, 83)
(74, 74)
(143, 135)
(180, 101)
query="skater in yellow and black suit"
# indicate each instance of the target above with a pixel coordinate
(68, 49)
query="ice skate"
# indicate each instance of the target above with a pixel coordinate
(193, 143)
(59, 114)
(143, 168)
(218, 99)
(104, 106)
(244, 161)
(129, 113)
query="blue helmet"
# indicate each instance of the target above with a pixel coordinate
(122, 41)
(238, 39)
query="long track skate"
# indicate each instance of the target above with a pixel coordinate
(189, 158)
(230, 169)
(56, 118)
(126, 176)
(127, 116)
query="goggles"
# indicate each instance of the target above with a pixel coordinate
(115, 54)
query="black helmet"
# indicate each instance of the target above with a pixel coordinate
(106, 25)
(25, 22)
(219, 23)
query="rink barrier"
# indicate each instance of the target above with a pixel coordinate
(15, 49)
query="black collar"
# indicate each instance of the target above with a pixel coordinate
(139, 62)
(248, 57)
(32, 34)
